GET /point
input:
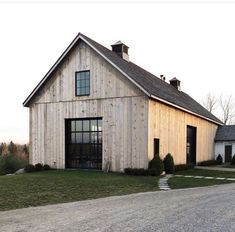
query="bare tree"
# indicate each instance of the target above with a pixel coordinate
(227, 108)
(210, 102)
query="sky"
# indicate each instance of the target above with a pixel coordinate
(191, 40)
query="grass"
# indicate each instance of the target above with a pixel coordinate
(183, 182)
(228, 166)
(60, 186)
(204, 172)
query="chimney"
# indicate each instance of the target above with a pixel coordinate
(121, 50)
(175, 82)
(162, 77)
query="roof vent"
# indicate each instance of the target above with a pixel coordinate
(121, 50)
(175, 82)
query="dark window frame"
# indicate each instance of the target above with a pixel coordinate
(83, 87)
(94, 155)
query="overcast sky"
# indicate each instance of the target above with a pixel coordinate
(193, 41)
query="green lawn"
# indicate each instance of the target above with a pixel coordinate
(186, 182)
(50, 187)
(203, 172)
(60, 186)
(228, 166)
(183, 182)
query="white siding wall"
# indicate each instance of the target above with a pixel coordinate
(220, 149)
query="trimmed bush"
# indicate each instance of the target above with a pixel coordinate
(182, 167)
(128, 171)
(29, 168)
(38, 167)
(207, 163)
(136, 171)
(46, 167)
(10, 164)
(233, 160)
(151, 172)
(139, 172)
(157, 164)
(219, 159)
(169, 164)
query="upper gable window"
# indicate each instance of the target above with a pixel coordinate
(82, 79)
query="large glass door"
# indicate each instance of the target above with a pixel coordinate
(83, 143)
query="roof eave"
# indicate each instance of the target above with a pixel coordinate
(224, 140)
(185, 110)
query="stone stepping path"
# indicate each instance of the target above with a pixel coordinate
(163, 185)
(207, 177)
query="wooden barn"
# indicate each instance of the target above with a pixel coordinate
(95, 108)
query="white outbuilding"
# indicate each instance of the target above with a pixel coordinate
(225, 142)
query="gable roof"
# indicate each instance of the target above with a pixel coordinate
(151, 85)
(225, 133)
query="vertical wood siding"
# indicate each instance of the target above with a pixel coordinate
(170, 126)
(130, 120)
(123, 108)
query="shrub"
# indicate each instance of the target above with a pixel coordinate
(29, 168)
(139, 172)
(181, 167)
(207, 163)
(136, 171)
(128, 171)
(219, 159)
(233, 160)
(10, 163)
(46, 167)
(157, 164)
(168, 163)
(151, 172)
(38, 167)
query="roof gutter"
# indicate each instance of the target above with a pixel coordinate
(183, 109)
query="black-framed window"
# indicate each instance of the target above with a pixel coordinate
(84, 143)
(82, 80)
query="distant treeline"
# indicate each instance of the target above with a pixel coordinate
(15, 149)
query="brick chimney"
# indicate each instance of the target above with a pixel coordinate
(175, 82)
(121, 50)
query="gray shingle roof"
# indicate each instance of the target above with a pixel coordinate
(152, 85)
(225, 133)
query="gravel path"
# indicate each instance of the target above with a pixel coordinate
(198, 209)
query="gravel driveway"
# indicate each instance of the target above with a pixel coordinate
(198, 209)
